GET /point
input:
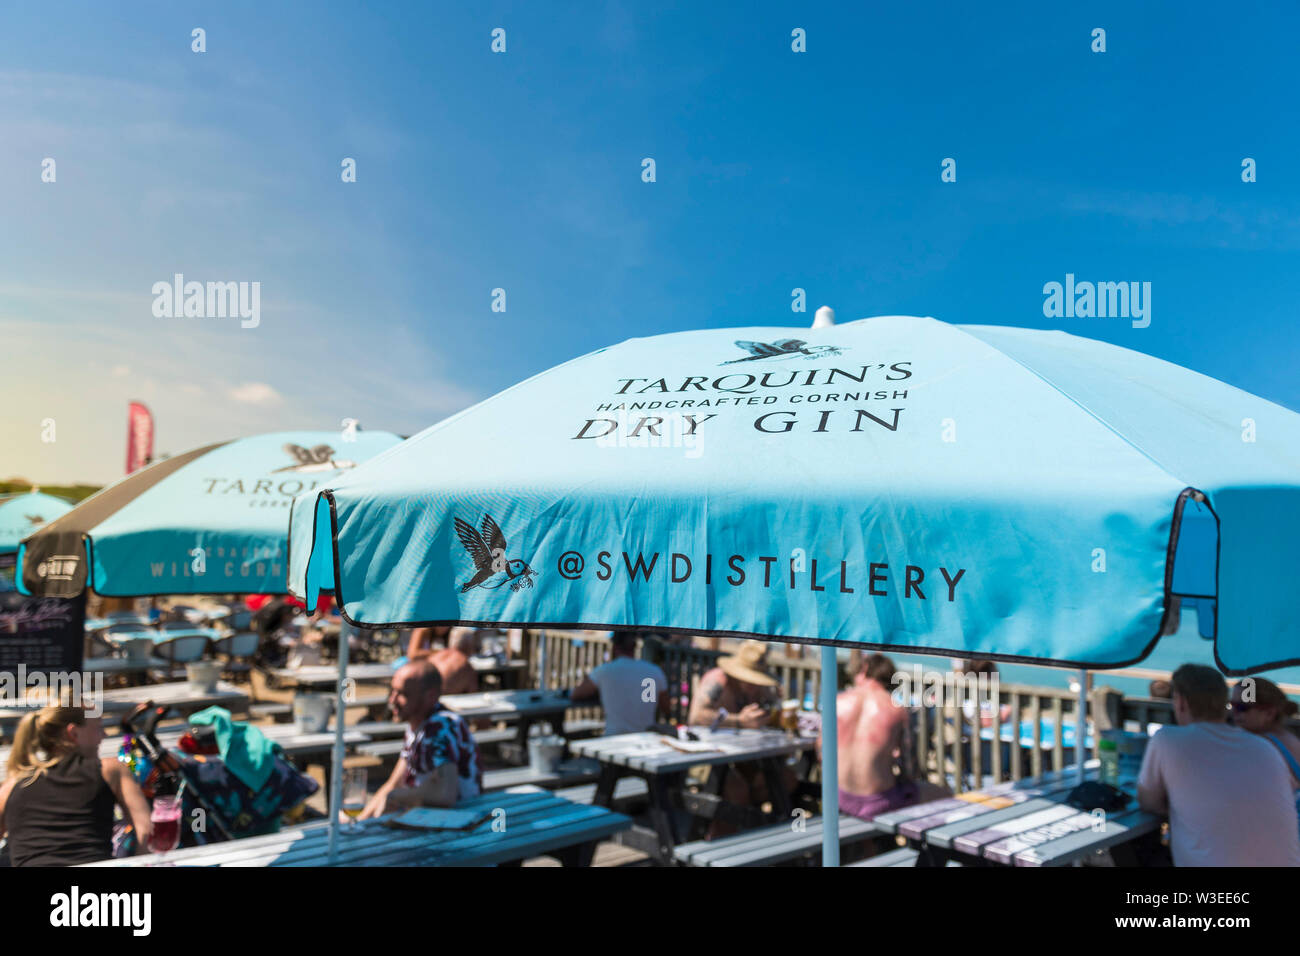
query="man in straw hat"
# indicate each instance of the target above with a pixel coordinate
(739, 693)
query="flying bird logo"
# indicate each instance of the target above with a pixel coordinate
(784, 349)
(320, 458)
(486, 546)
(35, 519)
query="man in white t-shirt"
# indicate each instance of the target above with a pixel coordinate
(631, 690)
(1227, 792)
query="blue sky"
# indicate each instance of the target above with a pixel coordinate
(522, 171)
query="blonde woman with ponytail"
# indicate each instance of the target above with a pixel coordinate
(56, 803)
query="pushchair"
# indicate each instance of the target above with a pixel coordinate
(215, 804)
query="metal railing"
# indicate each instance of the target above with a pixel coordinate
(961, 741)
(1001, 732)
(945, 744)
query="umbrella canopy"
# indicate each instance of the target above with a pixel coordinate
(22, 514)
(211, 521)
(896, 482)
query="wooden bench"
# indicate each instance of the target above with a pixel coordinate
(588, 727)
(371, 700)
(280, 713)
(903, 856)
(569, 772)
(391, 748)
(382, 748)
(488, 738)
(771, 844)
(377, 729)
(573, 730)
(168, 727)
(626, 791)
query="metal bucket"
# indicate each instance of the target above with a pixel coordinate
(545, 753)
(203, 675)
(311, 712)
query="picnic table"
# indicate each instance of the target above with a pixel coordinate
(197, 615)
(292, 742)
(663, 763)
(1021, 823)
(325, 675)
(536, 823)
(123, 665)
(526, 707)
(123, 637)
(93, 624)
(508, 671)
(178, 695)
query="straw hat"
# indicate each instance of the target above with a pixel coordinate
(747, 663)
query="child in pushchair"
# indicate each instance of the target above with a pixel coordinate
(216, 804)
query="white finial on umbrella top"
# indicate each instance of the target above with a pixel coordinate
(825, 317)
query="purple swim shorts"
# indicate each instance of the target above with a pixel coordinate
(866, 807)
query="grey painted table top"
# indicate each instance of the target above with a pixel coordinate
(286, 735)
(508, 703)
(1023, 823)
(125, 637)
(326, 675)
(178, 694)
(654, 753)
(123, 665)
(488, 665)
(535, 823)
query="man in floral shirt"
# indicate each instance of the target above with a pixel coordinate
(440, 764)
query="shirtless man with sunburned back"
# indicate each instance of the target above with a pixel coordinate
(452, 661)
(874, 737)
(458, 675)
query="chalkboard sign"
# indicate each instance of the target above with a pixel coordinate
(42, 634)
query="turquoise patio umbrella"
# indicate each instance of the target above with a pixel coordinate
(26, 512)
(210, 521)
(895, 483)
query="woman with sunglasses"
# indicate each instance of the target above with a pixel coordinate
(1259, 706)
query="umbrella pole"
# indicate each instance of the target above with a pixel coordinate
(336, 769)
(830, 761)
(1081, 722)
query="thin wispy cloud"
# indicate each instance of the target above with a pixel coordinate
(1247, 222)
(255, 393)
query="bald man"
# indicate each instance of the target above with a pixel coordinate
(439, 765)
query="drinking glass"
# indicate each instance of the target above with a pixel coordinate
(166, 819)
(354, 794)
